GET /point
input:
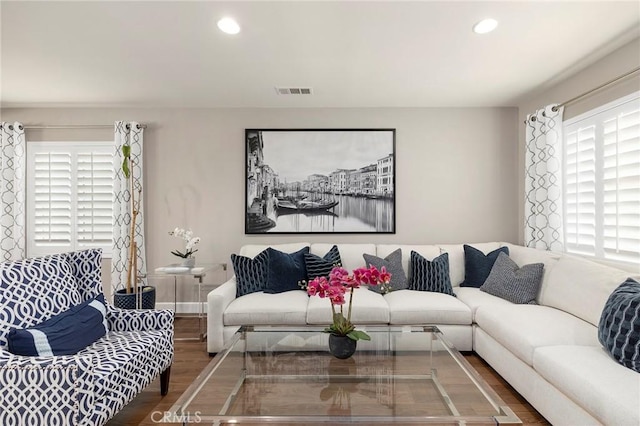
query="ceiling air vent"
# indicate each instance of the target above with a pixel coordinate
(294, 90)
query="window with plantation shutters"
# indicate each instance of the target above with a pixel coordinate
(602, 182)
(95, 198)
(51, 209)
(69, 196)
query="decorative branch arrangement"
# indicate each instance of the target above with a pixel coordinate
(132, 261)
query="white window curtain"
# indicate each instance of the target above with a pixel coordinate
(126, 133)
(12, 191)
(543, 179)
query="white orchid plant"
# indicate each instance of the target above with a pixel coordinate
(189, 239)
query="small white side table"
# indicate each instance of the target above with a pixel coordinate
(198, 272)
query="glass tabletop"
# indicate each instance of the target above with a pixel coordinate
(199, 270)
(408, 374)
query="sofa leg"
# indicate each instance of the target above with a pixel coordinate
(164, 381)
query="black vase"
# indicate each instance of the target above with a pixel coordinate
(341, 346)
(124, 300)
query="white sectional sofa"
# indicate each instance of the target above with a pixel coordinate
(548, 352)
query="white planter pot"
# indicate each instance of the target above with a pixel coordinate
(189, 262)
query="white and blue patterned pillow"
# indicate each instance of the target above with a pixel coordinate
(34, 290)
(251, 274)
(426, 275)
(64, 334)
(321, 266)
(510, 282)
(619, 326)
(86, 267)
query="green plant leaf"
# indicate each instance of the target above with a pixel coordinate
(126, 153)
(341, 325)
(125, 168)
(178, 253)
(358, 335)
(338, 317)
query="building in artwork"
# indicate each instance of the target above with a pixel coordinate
(367, 180)
(269, 180)
(353, 182)
(385, 173)
(372, 180)
(317, 183)
(338, 181)
(255, 157)
(262, 180)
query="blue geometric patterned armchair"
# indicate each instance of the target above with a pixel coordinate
(90, 387)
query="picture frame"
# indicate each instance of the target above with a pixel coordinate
(320, 181)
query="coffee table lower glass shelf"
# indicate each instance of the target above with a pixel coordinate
(286, 375)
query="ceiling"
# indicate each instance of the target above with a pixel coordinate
(351, 53)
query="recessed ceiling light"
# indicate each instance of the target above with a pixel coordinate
(229, 26)
(485, 26)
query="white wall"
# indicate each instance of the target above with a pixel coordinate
(611, 66)
(456, 177)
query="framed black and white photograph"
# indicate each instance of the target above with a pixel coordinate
(320, 181)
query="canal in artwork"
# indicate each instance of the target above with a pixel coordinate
(351, 214)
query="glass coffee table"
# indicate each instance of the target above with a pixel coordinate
(286, 375)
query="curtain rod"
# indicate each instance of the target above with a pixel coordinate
(602, 86)
(75, 126)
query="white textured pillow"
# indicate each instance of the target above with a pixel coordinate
(510, 282)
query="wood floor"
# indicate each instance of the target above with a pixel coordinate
(191, 357)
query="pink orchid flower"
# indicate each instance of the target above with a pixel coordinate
(336, 285)
(385, 277)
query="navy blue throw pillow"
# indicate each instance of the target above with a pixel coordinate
(321, 266)
(619, 326)
(251, 274)
(477, 265)
(431, 275)
(285, 270)
(63, 334)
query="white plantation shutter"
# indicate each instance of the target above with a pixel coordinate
(580, 191)
(95, 198)
(602, 182)
(69, 196)
(52, 200)
(621, 184)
